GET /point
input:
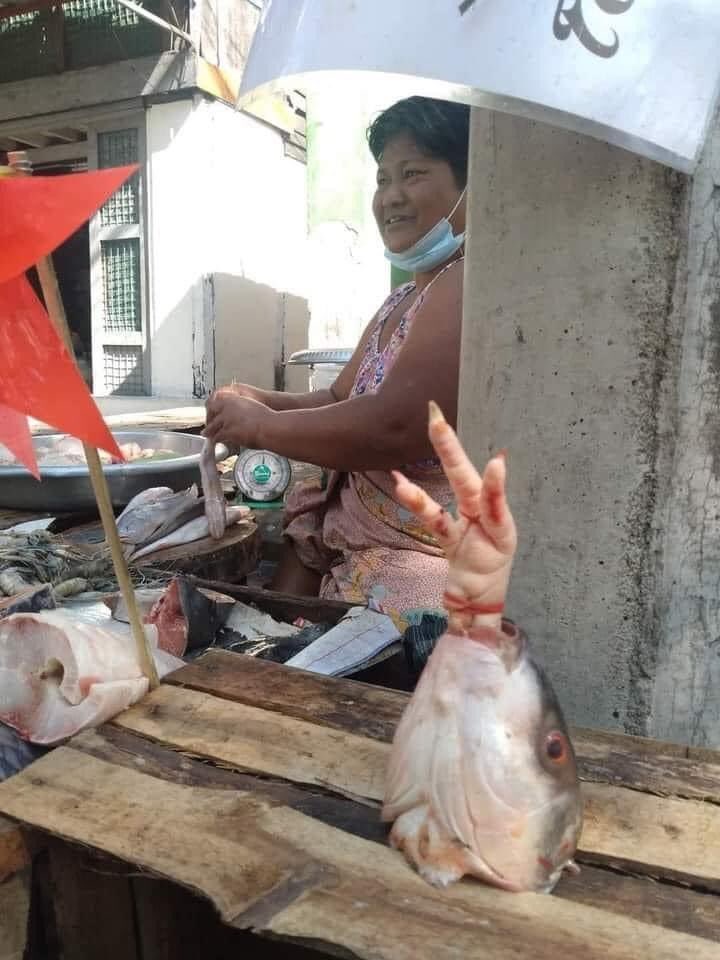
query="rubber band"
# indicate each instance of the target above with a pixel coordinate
(460, 605)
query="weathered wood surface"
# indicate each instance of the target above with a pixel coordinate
(80, 894)
(229, 559)
(258, 787)
(665, 904)
(188, 419)
(651, 766)
(269, 743)
(282, 606)
(663, 836)
(14, 854)
(342, 705)
(14, 909)
(268, 867)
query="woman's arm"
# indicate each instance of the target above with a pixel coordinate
(370, 432)
(277, 399)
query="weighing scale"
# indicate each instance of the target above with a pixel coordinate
(262, 477)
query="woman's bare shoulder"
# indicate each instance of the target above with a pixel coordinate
(444, 293)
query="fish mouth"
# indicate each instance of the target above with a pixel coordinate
(498, 880)
(508, 642)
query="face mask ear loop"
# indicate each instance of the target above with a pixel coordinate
(457, 204)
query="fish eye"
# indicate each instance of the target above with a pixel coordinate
(556, 746)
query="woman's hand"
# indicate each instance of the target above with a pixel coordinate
(243, 390)
(480, 544)
(234, 419)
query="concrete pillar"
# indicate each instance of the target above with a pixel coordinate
(591, 351)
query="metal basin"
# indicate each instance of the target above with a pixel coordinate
(325, 364)
(69, 490)
(310, 358)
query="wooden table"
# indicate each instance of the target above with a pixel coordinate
(239, 802)
(182, 419)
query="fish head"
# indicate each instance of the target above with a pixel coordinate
(526, 805)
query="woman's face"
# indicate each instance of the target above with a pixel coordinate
(414, 191)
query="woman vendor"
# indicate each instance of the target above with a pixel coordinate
(348, 537)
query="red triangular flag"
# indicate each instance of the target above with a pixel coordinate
(39, 377)
(15, 435)
(39, 213)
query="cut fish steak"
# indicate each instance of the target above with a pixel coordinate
(482, 778)
(59, 676)
(187, 617)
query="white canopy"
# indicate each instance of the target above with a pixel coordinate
(641, 74)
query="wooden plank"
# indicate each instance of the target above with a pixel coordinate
(126, 749)
(14, 911)
(662, 836)
(345, 705)
(282, 606)
(14, 854)
(180, 419)
(641, 764)
(42, 940)
(667, 769)
(267, 867)
(252, 739)
(172, 924)
(667, 905)
(189, 419)
(236, 555)
(85, 888)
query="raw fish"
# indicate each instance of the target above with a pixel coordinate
(482, 777)
(195, 530)
(59, 675)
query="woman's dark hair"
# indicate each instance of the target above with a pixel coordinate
(440, 128)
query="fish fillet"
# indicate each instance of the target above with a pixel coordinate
(212, 490)
(59, 675)
(141, 521)
(195, 530)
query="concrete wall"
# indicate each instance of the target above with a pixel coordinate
(222, 199)
(686, 691)
(347, 274)
(279, 324)
(592, 355)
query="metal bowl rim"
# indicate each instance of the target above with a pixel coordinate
(171, 465)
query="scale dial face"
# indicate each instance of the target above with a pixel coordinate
(261, 475)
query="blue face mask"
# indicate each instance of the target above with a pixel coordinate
(437, 246)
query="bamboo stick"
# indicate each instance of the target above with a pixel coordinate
(56, 312)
